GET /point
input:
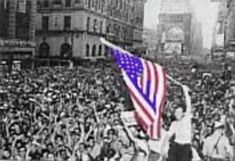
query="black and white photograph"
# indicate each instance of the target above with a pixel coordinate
(117, 80)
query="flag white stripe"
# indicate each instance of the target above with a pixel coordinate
(139, 96)
(160, 91)
(153, 81)
(145, 77)
(141, 113)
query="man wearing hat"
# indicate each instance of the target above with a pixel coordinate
(216, 147)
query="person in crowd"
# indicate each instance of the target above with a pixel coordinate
(56, 113)
(217, 147)
(181, 129)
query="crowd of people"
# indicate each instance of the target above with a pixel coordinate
(56, 113)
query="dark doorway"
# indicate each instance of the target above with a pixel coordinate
(66, 51)
(93, 50)
(44, 50)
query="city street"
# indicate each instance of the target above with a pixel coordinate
(117, 80)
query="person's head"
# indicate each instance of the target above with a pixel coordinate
(82, 147)
(6, 154)
(111, 153)
(63, 154)
(51, 156)
(22, 151)
(45, 131)
(134, 131)
(59, 140)
(219, 127)
(45, 154)
(179, 111)
(17, 128)
(50, 147)
(91, 142)
(111, 134)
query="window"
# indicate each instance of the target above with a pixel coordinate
(67, 3)
(96, 5)
(101, 27)
(102, 5)
(77, 1)
(56, 22)
(95, 25)
(108, 29)
(66, 51)
(89, 3)
(87, 50)
(44, 50)
(67, 22)
(45, 3)
(88, 23)
(99, 4)
(93, 50)
(93, 3)
(45, 22)
(100, 50)
(56, 2)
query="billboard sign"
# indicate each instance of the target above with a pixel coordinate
(173, 47)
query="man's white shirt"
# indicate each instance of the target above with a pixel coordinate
(182, 129)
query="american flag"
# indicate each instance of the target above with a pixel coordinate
(146, 83)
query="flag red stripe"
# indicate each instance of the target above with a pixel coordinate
(156, 77)
(142, 122)
(148, 70)
(162, 104)
(152, 130)
(141, 105)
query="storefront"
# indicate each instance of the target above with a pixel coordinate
(15, 54)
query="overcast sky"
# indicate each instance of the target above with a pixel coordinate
(206, 12)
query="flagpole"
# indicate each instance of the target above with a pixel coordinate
(109, 44)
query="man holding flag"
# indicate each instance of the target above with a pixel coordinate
(146, 83)
(180, 148)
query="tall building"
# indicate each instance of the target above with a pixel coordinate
(225, 26)
(125, 22)
(17, 30)
(229, 21)
(174, 29)
(72, 28)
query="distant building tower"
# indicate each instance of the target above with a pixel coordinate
(174, 27)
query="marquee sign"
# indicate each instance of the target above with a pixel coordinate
(17, 43)
(175, 34)
(173, 47)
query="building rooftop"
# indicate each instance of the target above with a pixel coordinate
(175, 7)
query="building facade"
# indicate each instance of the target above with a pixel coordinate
(72, 28)
(174, 28)
(229, 22)
(17, 30)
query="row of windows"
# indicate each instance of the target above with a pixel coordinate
(45, 23)
(46, 3)
(94, 25)
(95, 4)
(97, 25)
(120, 5)
(94, 50)
(66, 50)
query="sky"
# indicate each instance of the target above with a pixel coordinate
(206, 12)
